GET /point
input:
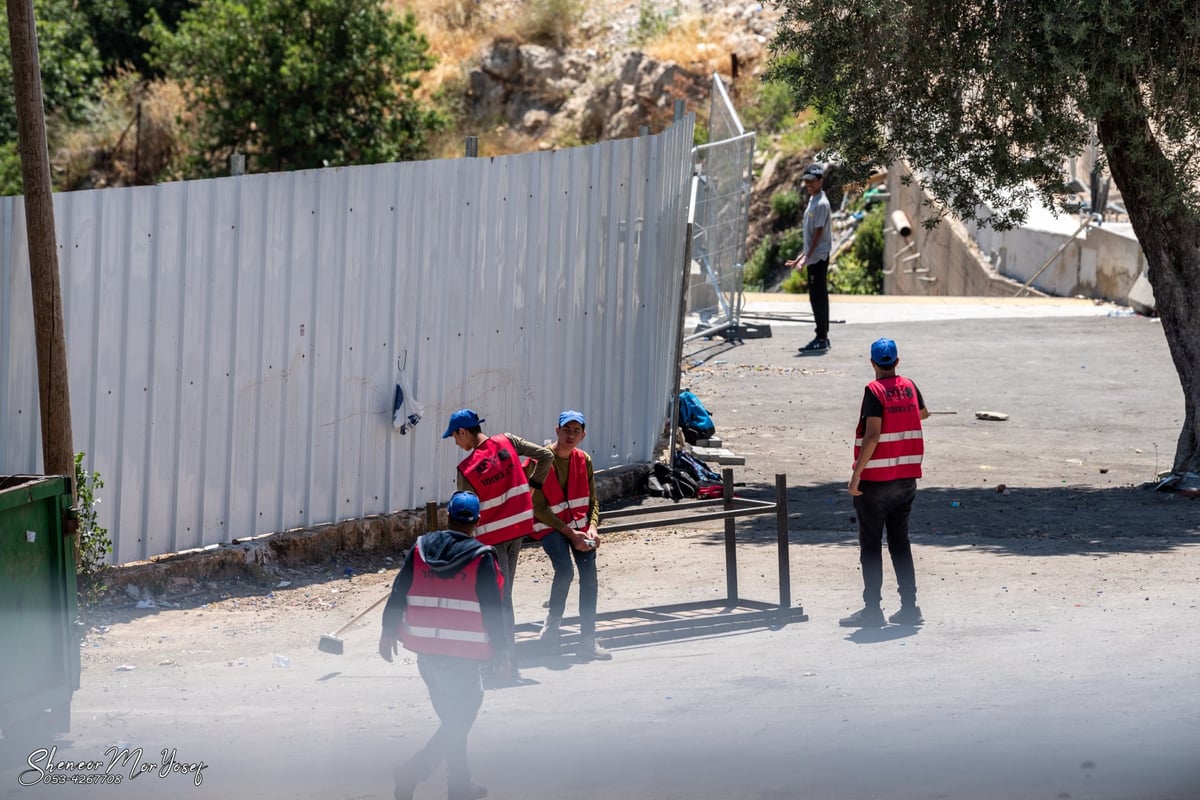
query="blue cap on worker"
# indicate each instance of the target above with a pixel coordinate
(464, 507)
(813, 171)
(571, 415)
(883, 353)
(463, 418)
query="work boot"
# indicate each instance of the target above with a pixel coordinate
(868, 617)
(472, 791)
(907, 615)
(589, 650)
(550, 628)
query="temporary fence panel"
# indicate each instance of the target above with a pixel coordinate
(724, 176)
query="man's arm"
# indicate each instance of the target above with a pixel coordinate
(487, 588)
(393, 612)
(594, 503)
(543, 458)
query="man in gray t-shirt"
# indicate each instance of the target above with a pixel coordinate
(818, 241)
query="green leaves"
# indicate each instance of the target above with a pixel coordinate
(986, 96)
(299, 84)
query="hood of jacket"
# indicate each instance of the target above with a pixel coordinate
(449, 551)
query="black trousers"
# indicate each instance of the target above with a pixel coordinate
(818, 296)
(886, 505)
(457, 694)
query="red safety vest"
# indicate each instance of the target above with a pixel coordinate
(505, 505)
(898, 454)
(444, 617)
(572, 506)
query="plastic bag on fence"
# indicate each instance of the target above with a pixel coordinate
(406, 409)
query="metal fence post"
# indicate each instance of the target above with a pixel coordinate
(731, 582)
(781, 533)
(472, 149)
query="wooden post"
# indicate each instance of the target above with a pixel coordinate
(58, 453)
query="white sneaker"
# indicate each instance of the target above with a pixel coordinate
(550, 627)
(589, 650)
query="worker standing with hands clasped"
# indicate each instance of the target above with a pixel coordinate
(445, 607)
(818, 244)
(492, 469)
(568, 519)
(888, 449)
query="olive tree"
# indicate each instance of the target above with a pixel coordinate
(987, 99)
(299, 84)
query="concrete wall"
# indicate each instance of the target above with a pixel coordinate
(963, 259)
(950, 264)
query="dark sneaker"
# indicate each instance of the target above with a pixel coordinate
(907, 615)
(817, 345)
(472, 791)
(869, 617)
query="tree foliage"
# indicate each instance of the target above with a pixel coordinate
(993, 97)
(299, 84)
(69, 61)
(987, 99)
(116, 27)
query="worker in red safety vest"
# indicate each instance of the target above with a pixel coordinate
(567, 523)
(445, 607)
(492, 469)
(888, 449)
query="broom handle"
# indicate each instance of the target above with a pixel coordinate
(362, 614)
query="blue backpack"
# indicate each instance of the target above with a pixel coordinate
(694, 418)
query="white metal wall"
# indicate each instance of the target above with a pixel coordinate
(234, 344)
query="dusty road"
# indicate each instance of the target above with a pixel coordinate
(1058, 659)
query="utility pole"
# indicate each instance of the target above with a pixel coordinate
(54, 395)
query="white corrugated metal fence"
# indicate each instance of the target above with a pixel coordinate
(234, 344)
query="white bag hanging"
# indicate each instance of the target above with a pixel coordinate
(406, 409)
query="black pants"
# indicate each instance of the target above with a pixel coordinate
(457, 694)
(886, 504)
(818, 295)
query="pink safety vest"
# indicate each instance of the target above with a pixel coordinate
(444, 616)
(571, 507)
(901, 445)
(505, 504)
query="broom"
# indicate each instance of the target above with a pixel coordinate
(330, 643)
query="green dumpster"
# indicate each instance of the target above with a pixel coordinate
(39, 651)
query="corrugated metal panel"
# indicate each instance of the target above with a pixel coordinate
(234, 344)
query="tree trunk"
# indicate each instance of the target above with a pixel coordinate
(1169, 233)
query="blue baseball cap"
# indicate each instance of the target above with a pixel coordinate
(883, 353)
(463, 418)
(464, 507)
(571, 416)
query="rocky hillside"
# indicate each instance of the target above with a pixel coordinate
(623, 65)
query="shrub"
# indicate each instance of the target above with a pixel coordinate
(94, 542)
(551, 22)
(786, 205)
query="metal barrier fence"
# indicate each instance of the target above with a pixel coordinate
(723, 178)
(733, 612)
